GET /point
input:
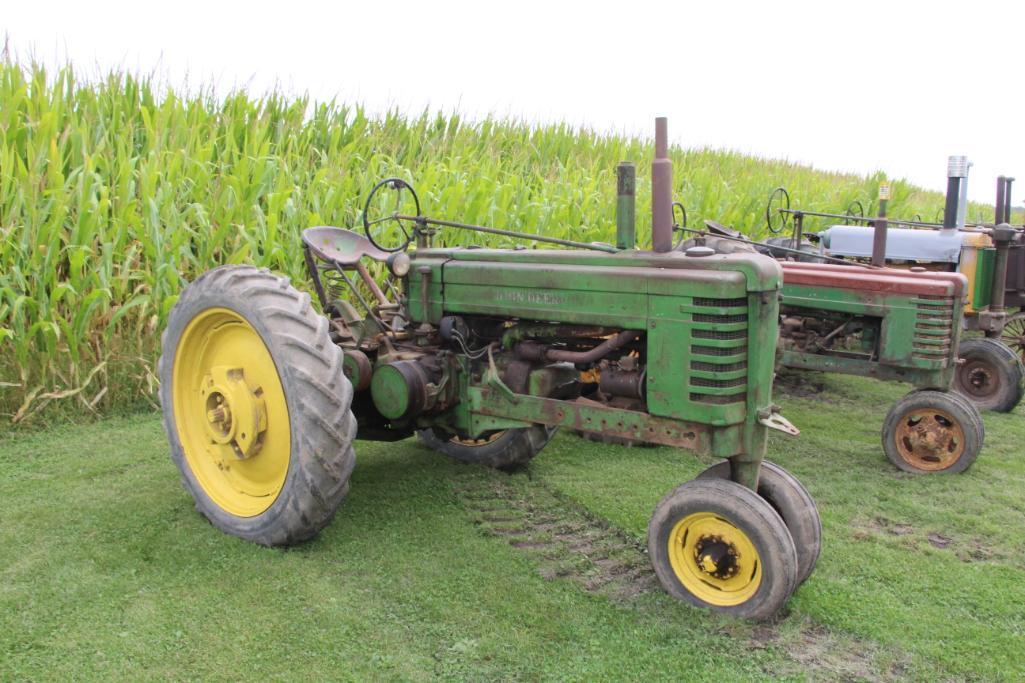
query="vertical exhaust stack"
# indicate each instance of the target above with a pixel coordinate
(1008, 181)
(1001, 189)
(661, 190)
(1002, 236)
(957, 193)
(879, 234)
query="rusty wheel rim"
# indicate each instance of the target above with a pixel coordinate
(1014, 335)
(978, 379)
(930, 439)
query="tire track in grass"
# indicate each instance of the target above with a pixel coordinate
(564, 539)
(567, 541)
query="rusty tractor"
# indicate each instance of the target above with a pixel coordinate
(482, 354)
(991, 256)
(893, 324)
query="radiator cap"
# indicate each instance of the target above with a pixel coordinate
(699, 251)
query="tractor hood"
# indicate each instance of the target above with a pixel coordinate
(902, 244)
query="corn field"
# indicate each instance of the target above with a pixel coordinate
(116, 192)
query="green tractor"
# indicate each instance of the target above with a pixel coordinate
(483, 353)
(892, 324)
(990, 256)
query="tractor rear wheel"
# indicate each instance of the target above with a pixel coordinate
(990, 374)
(503, 450)
(719, 545)
(791, 500)
(932, 431)
(256, 406)
(1013, 333)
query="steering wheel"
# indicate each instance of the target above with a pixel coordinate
(678, 227)
(776, 216)
(854, 210)
(379, 230)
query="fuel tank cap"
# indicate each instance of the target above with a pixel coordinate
(699, 251)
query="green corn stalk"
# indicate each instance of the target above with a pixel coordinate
(115, 193)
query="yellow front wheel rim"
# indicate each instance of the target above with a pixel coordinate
(714, 560)
(230, 412)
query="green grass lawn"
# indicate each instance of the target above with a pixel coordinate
(434, 569)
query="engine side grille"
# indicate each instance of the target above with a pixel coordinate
(933, 334)
(715, 367)
(699, 350)
(718, 365)
(716, 334)
(721, 303)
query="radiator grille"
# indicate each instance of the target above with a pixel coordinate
(933, 338)
(724, 383)
(700, 350)
(707, 318)
(716, 334)
(715, 367)
(709, 378)
(721, 303)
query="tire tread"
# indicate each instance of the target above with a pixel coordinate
(317, 394)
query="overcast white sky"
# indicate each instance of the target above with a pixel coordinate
(856, 86)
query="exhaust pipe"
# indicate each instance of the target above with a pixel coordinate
(1001, 201)
(879, 232)
(661, 190)
(1007, 198)
(956, 207)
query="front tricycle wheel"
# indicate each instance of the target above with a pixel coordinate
(788, 497)
(932, 431)
(256, 406)
(718, 545)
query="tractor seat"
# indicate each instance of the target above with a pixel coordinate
(717, 228)
(341, 246)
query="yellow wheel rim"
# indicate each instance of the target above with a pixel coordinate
(230, 412)
(714, 560)
(483, 441)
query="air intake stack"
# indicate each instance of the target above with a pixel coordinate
(626, 184)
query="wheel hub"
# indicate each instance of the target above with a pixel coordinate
(979, 379)
(218, 415)
(930, 436)
(236, 415)
(716, 557)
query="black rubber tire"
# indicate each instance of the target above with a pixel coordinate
(746, 510)
(512, 449)
(991, 375)
(793, 503)
(317, 394)
(972, 410)
(959, 408)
